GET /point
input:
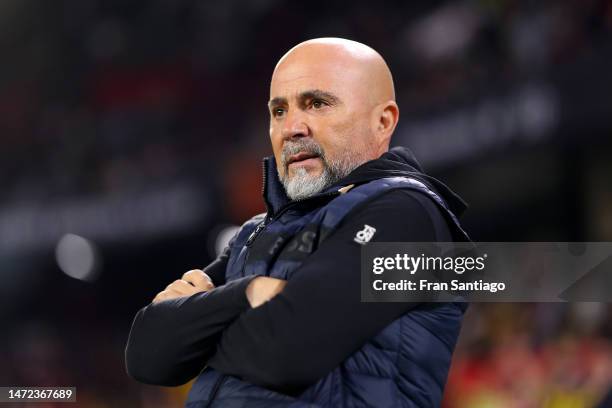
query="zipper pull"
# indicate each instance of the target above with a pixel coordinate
(254, 234)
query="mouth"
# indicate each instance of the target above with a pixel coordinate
(302, 158)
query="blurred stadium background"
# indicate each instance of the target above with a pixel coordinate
(131, 135)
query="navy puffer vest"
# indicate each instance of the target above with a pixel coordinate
(405, 365)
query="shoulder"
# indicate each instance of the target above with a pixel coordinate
(404, 200)
(256, 219)
(399, 201)
(252, 222)
(405, 214)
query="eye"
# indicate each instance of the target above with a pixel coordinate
(318, 103)
(277, 112)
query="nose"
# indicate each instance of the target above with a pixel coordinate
(294, 125)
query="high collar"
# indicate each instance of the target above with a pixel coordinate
(274, 194)
(399, 161)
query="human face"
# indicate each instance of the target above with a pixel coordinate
(320, 125)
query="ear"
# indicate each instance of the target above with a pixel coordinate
(386, 118)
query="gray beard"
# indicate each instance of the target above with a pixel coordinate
(303, 184)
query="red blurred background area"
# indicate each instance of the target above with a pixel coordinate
(131, 138)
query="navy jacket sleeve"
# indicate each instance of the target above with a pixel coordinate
(318, 320)
(170, 341)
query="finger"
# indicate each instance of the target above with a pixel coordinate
(165, 295)
(182, 287)
(198, 279)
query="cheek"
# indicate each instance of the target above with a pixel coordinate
(277, 146)
(352, 134)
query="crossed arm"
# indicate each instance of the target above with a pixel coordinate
(176, 334)
(280, 335)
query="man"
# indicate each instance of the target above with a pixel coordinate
(276, 320)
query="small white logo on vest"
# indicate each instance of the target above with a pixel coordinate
(365, 235)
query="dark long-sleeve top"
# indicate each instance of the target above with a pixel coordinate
(300, 335)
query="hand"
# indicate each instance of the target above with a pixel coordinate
(191, 282)
(262, 289)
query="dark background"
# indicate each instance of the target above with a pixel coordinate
(138, 127)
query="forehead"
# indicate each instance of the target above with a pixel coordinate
(293, 77)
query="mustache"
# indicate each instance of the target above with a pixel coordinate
(302, 146)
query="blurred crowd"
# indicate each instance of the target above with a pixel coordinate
(106, 104)
(533, 355)
(103, 97)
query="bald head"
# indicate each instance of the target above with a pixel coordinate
(332, 107)
(358, 65)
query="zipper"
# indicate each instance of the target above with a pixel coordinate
(260, 227)
(268, 220)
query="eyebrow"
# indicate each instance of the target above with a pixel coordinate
(309, 94)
